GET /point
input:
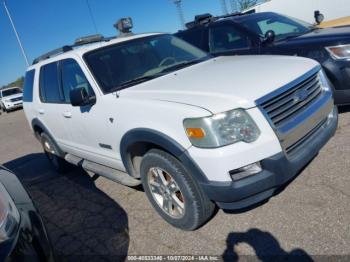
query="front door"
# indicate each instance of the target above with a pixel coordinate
(87, 125)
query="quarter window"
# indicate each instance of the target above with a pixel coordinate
(225, 37)
(28, 86)
(72, 78)
(49, 84)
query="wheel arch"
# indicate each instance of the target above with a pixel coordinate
(137, 142)
(40, 128)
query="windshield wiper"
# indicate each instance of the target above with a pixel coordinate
(181, 65)
(134, 81)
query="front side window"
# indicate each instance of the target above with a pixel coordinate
(28, 86)
(72, 78)
(283, 26)
(226, 37)
(131, 62)
(49, 84)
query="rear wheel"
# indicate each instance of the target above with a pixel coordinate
(59, 164)
(173, 192)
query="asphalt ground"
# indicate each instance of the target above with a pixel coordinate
(91, 219)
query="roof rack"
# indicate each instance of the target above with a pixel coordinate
(207, 18)
(78, 42)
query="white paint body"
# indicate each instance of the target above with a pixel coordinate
(162, 104)
(304, 9)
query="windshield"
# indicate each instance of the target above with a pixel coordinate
(124, 64)
(10, 92)
(283, 26)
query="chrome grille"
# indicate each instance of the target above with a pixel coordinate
(283, 107)
(296, 111)
(16, 99)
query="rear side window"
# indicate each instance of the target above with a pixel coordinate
(28, 86)
(226, 37)
(193, 36)
(49, 84)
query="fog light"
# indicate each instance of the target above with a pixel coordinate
(245, 171)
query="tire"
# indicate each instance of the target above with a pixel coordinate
(3, 109)
(58, 163)
(166, 180)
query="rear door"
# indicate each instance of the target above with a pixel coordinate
(51, 103)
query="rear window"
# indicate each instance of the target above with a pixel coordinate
(28, 86)
(49, 84)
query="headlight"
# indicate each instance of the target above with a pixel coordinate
(221, 129)
(340, 52)
(9, 216)
(324, 81)
(7, 100)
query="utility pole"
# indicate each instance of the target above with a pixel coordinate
(234, 6)
(180, 12)
(16, 33)
(224, 7)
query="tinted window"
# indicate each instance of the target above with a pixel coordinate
(49, 84)
(73, 77)
(193, 36)
(147, 57)
(282, 26)
(226, 37)
(28, 86)
(10, 92)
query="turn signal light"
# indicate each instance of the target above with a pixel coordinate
(195, 132)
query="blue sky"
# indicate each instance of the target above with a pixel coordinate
(47, 24)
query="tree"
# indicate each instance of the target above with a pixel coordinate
(245, 4)
(18, 83)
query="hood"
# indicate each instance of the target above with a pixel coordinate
(224, 83)
(326, 34)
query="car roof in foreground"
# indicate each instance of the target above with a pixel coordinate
(81, 50)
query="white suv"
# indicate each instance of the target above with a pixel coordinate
(196, 131)
(10, 98)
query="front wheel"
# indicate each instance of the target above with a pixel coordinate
(3, 109)
(173, 192)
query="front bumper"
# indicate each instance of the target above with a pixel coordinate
(12, 106)
(277, 171)
(30, 241)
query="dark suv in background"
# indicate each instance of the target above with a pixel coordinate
(271, 33)
(23, 235)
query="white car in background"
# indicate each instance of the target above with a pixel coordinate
(10, 98)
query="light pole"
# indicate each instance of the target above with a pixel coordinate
(16, 33)
(224, 7)
(180, 12)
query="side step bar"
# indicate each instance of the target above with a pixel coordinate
(110, 173)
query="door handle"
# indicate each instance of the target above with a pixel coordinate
(67, 114)
(41, 111)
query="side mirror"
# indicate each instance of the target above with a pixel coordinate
(80, 97)
(269, 36)
(319, 17)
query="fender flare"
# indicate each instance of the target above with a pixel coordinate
(157, 138)
(38, 123)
